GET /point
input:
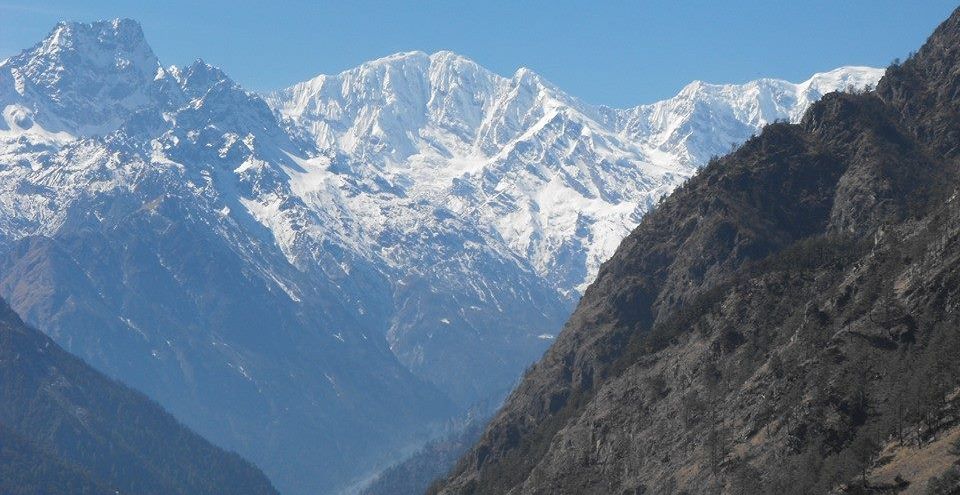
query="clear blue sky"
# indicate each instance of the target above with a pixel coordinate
(615, 53)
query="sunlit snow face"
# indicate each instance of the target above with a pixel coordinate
(560, 182)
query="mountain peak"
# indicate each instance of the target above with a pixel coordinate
(527, 75)
(83, 78)
(393, 60)
(118, 35)
(454, 63)
(692, 87)
(842, 78)
(447, 57)
(197, 78)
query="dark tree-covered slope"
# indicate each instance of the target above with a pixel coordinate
(788, 321)
(65, 428)
(27, 470)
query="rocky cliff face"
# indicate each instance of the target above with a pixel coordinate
(784, 322)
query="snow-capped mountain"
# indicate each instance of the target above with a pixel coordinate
(559, 181)
(315, 277)
(705, 120)
(61, 87)
(131, 235)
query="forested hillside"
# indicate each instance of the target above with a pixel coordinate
(67, 429)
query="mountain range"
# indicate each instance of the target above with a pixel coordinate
(324, 275)
(785, 322)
